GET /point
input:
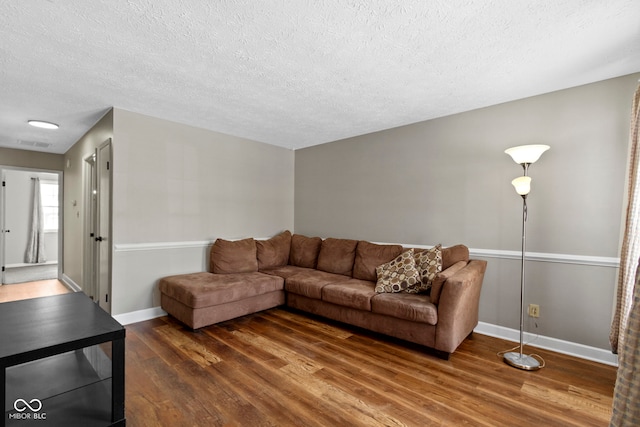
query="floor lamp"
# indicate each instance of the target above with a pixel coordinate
(524, 155)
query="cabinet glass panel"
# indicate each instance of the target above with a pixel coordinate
(72, 388)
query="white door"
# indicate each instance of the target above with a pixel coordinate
(4, 231)
(16, 202)
(89, 280)
(103, 239)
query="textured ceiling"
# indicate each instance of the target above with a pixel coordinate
(295, 73)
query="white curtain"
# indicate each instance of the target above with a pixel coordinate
(625, 329)
(35, 246)
(630, 252)
(626, 396)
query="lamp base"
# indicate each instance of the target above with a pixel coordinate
(521, 361)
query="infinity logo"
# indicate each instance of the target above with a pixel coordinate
(35, 408)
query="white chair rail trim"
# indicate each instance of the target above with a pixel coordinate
(597, 261)
(134, 247)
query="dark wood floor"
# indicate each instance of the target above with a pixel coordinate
(283, 368)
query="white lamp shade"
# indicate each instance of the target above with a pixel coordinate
(526, 153)
(522, 185)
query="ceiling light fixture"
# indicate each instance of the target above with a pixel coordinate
(43, 124)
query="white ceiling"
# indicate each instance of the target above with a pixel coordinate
(295, 73)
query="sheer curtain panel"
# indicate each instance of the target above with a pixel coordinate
(35, 246)
(625, 329)
(630, 253)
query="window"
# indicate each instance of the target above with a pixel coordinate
(49, 197)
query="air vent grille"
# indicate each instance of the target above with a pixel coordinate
(34, 144)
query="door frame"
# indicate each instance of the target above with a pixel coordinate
(3, 206)
(104, 226)
(90, 194)
(97, 230)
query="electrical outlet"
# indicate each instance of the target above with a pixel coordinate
(534, 310)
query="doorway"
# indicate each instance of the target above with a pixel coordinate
(22, 190)
(97, 230)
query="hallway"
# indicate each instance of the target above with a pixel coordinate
(41, 288)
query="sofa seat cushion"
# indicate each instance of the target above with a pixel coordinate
(353, 293)
(285, 271)
(309, 283)
(413, 307)
(206, 289)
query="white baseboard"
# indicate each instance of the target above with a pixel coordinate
(140, 315)
(553, 344)
(68, 281)
(26, 264)
(125, 318)
(548, 343)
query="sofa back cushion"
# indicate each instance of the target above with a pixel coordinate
(237, 256)
(369, 256)
(304, 251)
(453, 254)
(337, 256)
(274, 252)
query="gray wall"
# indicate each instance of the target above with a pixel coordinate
(174, 182)
(74, 196)
(448, 181)
(30, 159)
(175, 187)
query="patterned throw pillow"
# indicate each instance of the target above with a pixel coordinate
(429, 263)
(398, 274)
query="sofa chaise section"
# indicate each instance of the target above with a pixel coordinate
(202, 299)
(231, 289)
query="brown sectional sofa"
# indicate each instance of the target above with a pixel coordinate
(355, 282)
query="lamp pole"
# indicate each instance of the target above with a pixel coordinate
(520, 360)
(525, 169)
(522, 265)
(523, 155)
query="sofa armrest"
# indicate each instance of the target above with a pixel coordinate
(458, 306)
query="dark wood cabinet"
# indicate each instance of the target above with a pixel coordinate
(61, 363)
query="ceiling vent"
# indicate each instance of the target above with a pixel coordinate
(35, 144)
